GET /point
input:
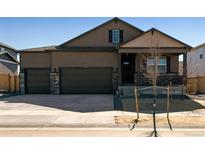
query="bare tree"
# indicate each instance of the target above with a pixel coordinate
(152, 72)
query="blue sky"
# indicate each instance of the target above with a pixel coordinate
(30, 32)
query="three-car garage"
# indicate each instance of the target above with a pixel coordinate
(68, 72)
(73, 80)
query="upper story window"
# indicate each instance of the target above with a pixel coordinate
(161, 65)
(201, 54)
(2, 49)
(115, 36)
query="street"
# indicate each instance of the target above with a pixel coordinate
(97, 132)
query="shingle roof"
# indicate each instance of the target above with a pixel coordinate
(201, 45)
(7, 46)
(39, 48)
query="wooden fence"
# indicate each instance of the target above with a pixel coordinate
(9, 82)
(196, 85)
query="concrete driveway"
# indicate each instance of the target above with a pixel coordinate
(56, 110)
(75, 103)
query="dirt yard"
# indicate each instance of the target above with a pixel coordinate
(176, 105)
(182, 113)
(162, 120)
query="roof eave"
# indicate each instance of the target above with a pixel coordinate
(187, 46)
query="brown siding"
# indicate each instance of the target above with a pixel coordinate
(138, 62)
(35, 60)
(84, 59)
(100, 36)
(174, 64)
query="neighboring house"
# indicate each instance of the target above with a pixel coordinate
(196, 69)
(8, 69)
(8, 60)
(100, 60)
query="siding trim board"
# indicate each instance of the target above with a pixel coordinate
(12, 57)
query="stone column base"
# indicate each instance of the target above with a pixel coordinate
(54, 83)
(115, 81)
(22, 83)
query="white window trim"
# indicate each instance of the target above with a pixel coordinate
(113, 37)
(201, 53)
(158, 65)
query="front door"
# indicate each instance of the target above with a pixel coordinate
(127, 68)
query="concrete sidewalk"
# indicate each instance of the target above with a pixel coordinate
(79, 111)
(56, 118)
(98, 132)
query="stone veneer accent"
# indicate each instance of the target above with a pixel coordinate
(163, 79)
(115, 80)
(22, 83)
(54, 83)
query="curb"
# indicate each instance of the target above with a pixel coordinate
(95, 126)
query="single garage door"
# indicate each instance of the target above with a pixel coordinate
(38, 81)
(86, 80)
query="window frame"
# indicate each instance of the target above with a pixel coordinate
(201, 56)
(115, 36)
(159, 64)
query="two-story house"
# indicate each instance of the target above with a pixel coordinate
(8, 60)
(196, 69)
(8, 69)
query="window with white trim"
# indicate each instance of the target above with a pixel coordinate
(161, 64)
(115, 36)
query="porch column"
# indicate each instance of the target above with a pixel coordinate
(119, 69)
(22, 82)
(184, 68)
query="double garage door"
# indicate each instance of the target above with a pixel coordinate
(72, 80)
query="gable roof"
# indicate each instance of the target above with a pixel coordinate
(128, 43)
(12, 57)
(199, 46)
(7, 46)
(109, 21)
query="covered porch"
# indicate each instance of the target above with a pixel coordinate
(138, 57)
(134, 67)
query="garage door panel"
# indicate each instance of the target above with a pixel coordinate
(38, 81)
(86, 80)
